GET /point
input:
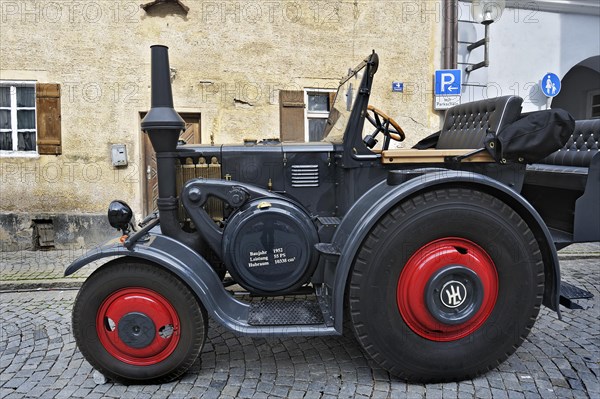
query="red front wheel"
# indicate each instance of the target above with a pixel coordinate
(136, 322)
(446, 286)
(138, 326)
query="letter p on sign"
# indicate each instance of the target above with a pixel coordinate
(448, 82)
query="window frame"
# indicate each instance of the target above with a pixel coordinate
(314, 114)
(13, 84)
(590, 104)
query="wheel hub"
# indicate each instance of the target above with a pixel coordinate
(136, 330)
(447, 289)
(453, 294)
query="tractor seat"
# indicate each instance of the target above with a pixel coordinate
(568, 167)
(464, 129)
(466, 125)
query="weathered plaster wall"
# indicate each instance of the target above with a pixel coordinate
(220, 51)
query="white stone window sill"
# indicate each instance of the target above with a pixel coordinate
(19, 154)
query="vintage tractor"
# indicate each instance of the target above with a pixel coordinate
(438, 257)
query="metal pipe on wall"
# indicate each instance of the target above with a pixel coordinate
(450, 34)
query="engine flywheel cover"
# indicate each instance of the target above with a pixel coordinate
(270, 249)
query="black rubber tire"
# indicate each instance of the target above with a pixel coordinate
(454, 212)
(120, 274)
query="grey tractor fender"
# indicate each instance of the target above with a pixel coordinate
(375, 203)
(185, 263)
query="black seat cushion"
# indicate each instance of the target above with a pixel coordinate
(568, 167)
(466, 125)
(581, 147)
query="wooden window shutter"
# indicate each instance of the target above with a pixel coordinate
(331, 99)
(48, 119)
(291, 115)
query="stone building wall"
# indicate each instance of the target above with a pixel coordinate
(229, 61)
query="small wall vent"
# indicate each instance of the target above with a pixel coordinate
(43, 234)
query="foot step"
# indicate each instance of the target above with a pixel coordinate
(282, 313)
(568, 292)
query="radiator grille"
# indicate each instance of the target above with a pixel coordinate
(305, 175)
(205, 170)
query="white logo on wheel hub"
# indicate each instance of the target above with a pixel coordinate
(453, 294)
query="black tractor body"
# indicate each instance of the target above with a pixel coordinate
(422, 251)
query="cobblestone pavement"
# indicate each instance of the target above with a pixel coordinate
(32, 269)
(27, 269)
(39, 358)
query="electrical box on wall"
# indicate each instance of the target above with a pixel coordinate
(119, 154)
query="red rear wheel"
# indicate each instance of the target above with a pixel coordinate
(447, 289)
(446, 286)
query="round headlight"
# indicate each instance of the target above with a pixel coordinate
(119, 215)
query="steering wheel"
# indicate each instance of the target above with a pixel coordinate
(384, 124)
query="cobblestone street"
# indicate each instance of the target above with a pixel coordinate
(39, 358)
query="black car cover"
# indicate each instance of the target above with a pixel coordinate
(532, 137)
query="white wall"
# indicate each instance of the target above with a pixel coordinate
(525, 44)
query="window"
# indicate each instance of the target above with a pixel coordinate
(593, 104)
(30, 120)
(318, 103)
(18, 116)
(303, 113)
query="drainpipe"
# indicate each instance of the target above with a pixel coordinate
(450, 34)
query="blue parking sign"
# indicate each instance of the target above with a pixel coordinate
(448, 82)
(550, 85)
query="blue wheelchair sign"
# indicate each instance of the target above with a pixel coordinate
(550, 85)
(448, 82)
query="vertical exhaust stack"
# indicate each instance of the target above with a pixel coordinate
(162, 123)
(163, 126)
